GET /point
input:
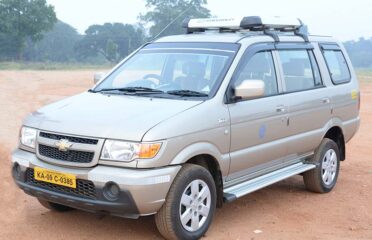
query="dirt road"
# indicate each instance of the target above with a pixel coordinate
(283, 211)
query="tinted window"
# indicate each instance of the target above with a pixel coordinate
(337, 66)
(300, 70)
(259, 67)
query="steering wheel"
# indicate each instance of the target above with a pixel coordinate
(153, 76)
(148, 80)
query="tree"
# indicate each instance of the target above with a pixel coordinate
(7, 47)
(113, 41)
(56, 46)
(163, 12)
(23, 19)
(112, 51)
(360, 52)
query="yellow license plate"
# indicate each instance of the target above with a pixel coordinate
(63, 179)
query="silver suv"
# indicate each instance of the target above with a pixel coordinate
(189, 122)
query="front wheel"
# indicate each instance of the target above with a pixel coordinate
(323, 178)
(190, 204)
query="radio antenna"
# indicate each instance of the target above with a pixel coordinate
(169, 24)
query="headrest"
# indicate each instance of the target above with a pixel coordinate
(294, 68)
(193, 69)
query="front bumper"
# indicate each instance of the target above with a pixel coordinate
(142, 191)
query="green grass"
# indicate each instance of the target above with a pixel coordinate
(364, 75)
(364, 71)
(51, 66)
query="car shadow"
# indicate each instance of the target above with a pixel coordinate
(87, 225)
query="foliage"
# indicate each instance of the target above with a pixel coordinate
(29, 31)
(163, 12)
(23, 19)
(56, 46)
(360, 52)
(112, 50)
(48, 66)
(113, 41)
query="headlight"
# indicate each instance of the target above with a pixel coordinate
(127, 151)
(28, 137)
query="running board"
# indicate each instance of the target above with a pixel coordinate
(244, 188)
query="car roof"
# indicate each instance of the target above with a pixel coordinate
(203, 37)
(234, 37)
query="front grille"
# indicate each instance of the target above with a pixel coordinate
(68, 156)
(84, 188)
(69, 138)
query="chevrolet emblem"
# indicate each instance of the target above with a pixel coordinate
(63, 145)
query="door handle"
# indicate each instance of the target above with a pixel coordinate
(326, 100)
(280, 109)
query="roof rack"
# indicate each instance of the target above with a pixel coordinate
(270, 26)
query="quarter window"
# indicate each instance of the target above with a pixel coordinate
(300, 70)
(337, 66)
(259, 67)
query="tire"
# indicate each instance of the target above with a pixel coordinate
(54, 206)
(168, 219)
(323, 178)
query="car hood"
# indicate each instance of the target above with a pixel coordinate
(107, 116)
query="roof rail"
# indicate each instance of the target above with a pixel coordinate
(270, 26)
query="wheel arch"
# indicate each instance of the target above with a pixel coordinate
(211, 164)
(336, 134)
(206, 155)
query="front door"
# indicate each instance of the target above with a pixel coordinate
(258, 125)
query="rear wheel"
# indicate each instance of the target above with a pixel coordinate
(54, 206)
(190, 205)
(323, 178)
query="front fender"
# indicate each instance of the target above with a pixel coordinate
(203, 148)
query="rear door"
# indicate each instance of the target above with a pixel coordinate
(310, 102)
(344, 88)
(258, 125)
(344, 99)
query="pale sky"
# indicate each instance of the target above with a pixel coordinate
(343, 19)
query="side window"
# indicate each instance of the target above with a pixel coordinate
(259, 67)
(337, 66)
(300, 70)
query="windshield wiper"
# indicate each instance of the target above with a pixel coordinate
(187, 93)
(130, 90)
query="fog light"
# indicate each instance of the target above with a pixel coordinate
(17, 170)
(111, 191)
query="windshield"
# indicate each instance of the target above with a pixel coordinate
(171, 69)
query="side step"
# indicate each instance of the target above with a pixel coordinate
(244, 188)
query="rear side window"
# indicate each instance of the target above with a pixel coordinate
(337, 66)
(300, 70)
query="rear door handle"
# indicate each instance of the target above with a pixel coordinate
(280, 109)
(326, 100)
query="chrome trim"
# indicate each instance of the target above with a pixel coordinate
(96, 149)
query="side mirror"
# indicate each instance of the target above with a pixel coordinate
(250, 89)
(98, 77)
